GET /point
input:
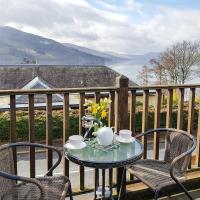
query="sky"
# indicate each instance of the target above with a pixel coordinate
(123, 26)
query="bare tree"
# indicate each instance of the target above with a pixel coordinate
(176, 62)
(144, 75)
(158, 71)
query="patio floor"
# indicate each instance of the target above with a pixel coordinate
(195, 194)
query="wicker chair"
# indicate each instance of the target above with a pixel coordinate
(14, 187)
(156, 174)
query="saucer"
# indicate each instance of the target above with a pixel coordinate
(123, 140)
(70, 146)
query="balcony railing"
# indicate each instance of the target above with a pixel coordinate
(122, 115)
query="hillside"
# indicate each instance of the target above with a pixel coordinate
(17, 47)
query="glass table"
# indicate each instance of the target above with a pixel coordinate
(119, 155)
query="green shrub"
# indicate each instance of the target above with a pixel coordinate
(40, 125)
(150, 125)
(57, 123)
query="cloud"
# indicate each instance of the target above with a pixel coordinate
(133, 5)
(173, 25)
(103, 26)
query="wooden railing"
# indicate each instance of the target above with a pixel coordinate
(122, 115)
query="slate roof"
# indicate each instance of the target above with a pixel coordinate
(62, 76)
(38, 83)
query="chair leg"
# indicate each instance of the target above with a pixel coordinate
(122, 182)
(156, 195)
(70, 191)
(185, 190)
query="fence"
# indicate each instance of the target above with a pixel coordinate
(122, 115)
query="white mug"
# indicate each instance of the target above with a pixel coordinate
(75, 140)
(125, 134)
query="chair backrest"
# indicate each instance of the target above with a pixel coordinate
(176, 143)
(6, 165)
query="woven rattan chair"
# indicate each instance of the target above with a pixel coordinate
(14, 187)
(158, 175)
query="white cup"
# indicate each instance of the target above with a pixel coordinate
(75, 140)
(125, 134)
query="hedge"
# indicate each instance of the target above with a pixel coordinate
(150, 125)
(40, 124)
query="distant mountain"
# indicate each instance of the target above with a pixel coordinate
(113, 57)
(110, 58)
(17, 47)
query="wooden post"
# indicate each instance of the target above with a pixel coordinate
(157, 123)
(97, 97)
(145, 120)
(191, 114)
(111, 120)
(13, 136)
(81, 132)
(121, 120)
(191, 111)
(169, 108)
(132, 111)
(66, 129)
(198, 142)
(180, 108)
(132, 116)
(49, 138)
(31, 121)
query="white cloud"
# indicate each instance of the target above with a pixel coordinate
(82, 23)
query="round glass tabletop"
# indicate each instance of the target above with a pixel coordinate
(118, 156)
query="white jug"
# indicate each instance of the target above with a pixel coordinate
(105, 136)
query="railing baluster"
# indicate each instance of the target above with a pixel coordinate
(157, 123)
(132, 117)
(191, 113)
(132, 111)
(81, 132)
(13, 136)
(145, 120)
(66, 129)
(31, 121)
(169, 108)
(97, 100)
(49, 130)
(112, 109)
(180, 108)
(198, 142)
(97, 97)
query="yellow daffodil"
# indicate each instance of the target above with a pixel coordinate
(98, 110)
(94, 111)
(103, 114)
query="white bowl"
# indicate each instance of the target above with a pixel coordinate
(125, 134)
(75, 140)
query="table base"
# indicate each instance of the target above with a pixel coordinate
(103, 184)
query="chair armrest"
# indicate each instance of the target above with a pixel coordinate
(24, 179)
(143, 134)
(154, 130)
(151, 131)
(40, 146)
(175, 160)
